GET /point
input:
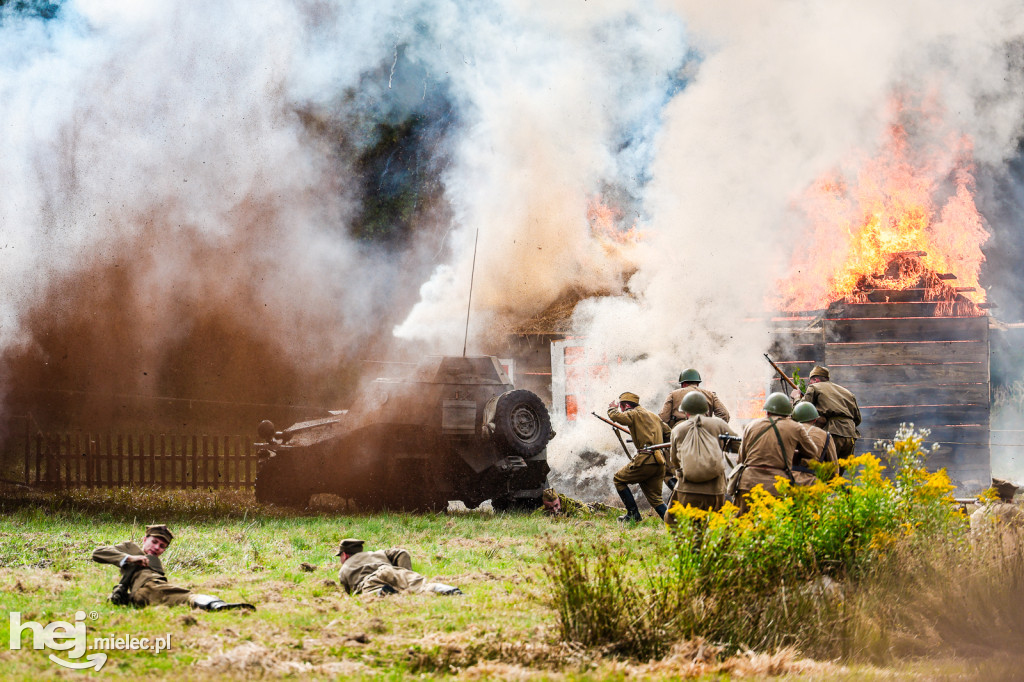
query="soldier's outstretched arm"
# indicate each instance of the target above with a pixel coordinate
(107, 554)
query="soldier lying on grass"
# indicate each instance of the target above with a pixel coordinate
(554, 503)
(383, 572)
(143, 582)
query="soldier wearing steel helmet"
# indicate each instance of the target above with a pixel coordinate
(769, 447)
(689, 381)
(807, 414)
(837, 405)
(647, 469)
(702, 494)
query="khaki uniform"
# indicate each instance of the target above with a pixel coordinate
(369, 572)
(672, 414)
(705, 494)
(1005, 516)
(825, 443)
(645, 428)
(149, 585)
(760, 452)
(840, 408)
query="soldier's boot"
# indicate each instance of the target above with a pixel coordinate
(661, 509)
(632, 514)
(441, 588)
(208, 602)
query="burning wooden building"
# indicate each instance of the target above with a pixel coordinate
(914, 349)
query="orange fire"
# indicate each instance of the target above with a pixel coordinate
(605, 221)
(912, 197)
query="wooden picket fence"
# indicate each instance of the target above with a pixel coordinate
(109, 460)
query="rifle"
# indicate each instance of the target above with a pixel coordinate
(729, 443)
(617, 428)
(785, 377)
(651, 448)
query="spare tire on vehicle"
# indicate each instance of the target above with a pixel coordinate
(522, 425)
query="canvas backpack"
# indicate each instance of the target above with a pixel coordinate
(700, 455)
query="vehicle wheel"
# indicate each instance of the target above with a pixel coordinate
(522, 424)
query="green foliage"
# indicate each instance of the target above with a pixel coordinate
(800, 383)
(771, 577)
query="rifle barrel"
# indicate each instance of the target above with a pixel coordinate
(620, 427)
(785, 377)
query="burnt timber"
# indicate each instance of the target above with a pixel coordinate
(909, 359)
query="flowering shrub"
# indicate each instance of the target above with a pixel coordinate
(773, 576)
(828, 528)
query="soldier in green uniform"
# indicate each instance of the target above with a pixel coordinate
(555, 503)
(143, 582)
(647, 469)
(837, 405)
(689, 381)
(387, 571)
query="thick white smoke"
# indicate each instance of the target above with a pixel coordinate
(785, 92)
(171, 136)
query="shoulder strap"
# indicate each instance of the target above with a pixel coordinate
(782, 449)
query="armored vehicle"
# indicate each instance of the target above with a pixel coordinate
(454, 428)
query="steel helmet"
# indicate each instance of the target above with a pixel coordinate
(778, 403)
(694, 402)
(689, 375)
(805, 412)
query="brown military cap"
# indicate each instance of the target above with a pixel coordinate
(549, 495)
(1005, 489)
(350, 546)
(819, 372)
(628, 397)
(159, 530)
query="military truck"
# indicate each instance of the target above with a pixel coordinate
(454, 428)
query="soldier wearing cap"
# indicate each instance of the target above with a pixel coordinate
(689, 381)
(648, 469)
(387, 571)
(837, 405)
(143, 581)
(769, 447)
(807, 414)
(1002, 513)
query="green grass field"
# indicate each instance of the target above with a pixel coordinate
(306, 626)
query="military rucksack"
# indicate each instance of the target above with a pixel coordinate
(700, 455)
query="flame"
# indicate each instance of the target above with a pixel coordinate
(605, 220)
(911, 197)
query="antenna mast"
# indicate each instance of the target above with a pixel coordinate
(472, 273)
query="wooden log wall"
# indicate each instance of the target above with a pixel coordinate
(906, 364)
